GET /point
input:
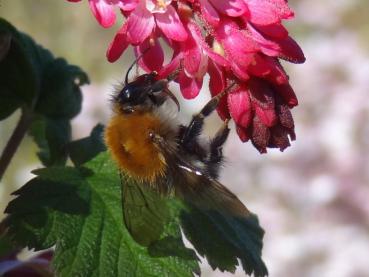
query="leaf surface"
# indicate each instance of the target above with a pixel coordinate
(80, 211)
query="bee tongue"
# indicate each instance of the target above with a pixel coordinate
(171, 95)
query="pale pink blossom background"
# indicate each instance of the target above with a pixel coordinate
(312, 200)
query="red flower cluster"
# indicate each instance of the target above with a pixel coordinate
(233, 41)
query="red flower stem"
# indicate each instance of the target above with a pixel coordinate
(15, 140)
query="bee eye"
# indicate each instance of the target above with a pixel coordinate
(124, 95)
(151, 135)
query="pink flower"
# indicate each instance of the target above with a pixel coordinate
(103, 10)
(196, 54)
(148, 19)
(237, 41)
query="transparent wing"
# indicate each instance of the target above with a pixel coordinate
(145, 212)
(217, 223)
(203, 191)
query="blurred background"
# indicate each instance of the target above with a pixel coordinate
(313, 199)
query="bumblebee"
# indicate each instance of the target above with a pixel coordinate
(156, 152)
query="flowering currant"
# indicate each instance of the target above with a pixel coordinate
(239, 41)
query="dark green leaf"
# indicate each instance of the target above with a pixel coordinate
(9, 101)
(18, 79)
(223, 239)
(52, 137)
(5, 42)
(80, 210)
(83, 150)
(49, 88)
(61, 96)
(6, 246)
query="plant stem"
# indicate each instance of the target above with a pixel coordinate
(15, 140)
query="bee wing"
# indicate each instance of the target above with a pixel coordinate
(225, 222)
(205, 192)
(145, 212)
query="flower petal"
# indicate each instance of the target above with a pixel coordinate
(262, 12)
(209, 13)
(153, 59)
(277, 75)
(276, 30)
(191, 56)
(171, 25)
(260, 135)
(171, 66)
(284, 12)
(155, 6)
(118, 45)
(279, 138)
(139, 24)
(287, 93)
(127, 5)
(239, 47)
(190, 87)
(268, 46)
(243, 133)
(291, 51)
(103, 12)
(239, 106)
(199, 40)
(217, 83)
(259, 67)
(262, 98)
(232, 8)
(284, 114)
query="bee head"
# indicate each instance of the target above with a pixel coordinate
(147, 90)
(137, 92)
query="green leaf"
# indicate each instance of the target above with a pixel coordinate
(9, 101)
(80, 211)
(61, 96)
(225, 239)
(18, 82)
(6, 246)
(47, 86)
(145, 212)
(52, 137)
(85, 149)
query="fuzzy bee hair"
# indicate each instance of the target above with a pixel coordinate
(158, 152)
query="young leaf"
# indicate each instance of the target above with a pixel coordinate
(80, 211)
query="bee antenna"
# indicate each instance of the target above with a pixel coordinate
(134, 63)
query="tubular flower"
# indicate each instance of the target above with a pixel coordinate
(235, 41)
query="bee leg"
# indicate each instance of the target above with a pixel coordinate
(215, 158)
(194, 129)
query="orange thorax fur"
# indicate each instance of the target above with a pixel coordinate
(128, 139)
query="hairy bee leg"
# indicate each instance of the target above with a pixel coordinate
(217, 142)
(194, 129)
(215, 149)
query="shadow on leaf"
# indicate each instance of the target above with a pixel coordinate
(38, 195)
(171, 246)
